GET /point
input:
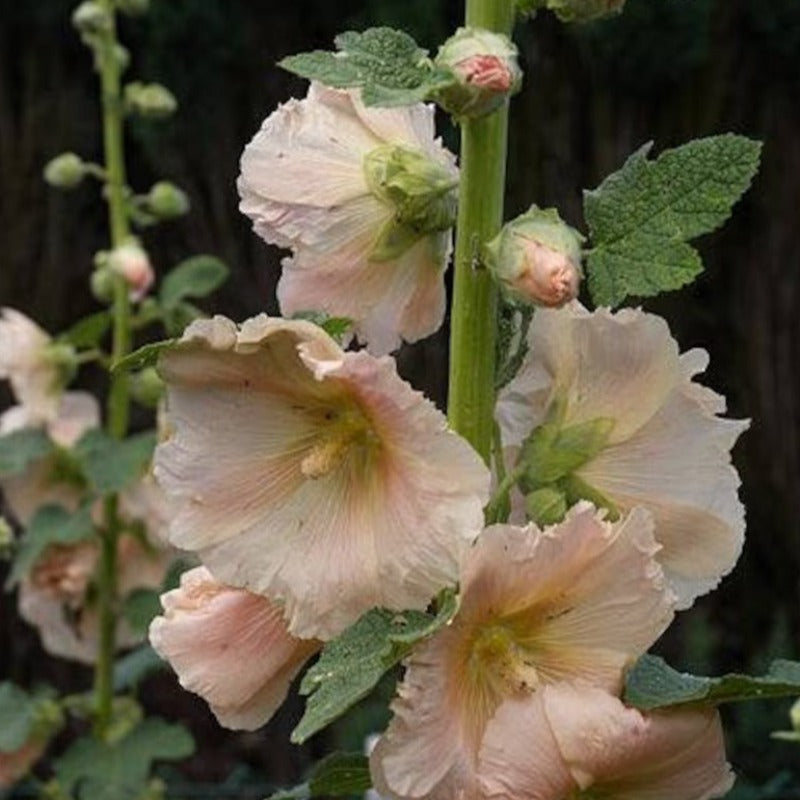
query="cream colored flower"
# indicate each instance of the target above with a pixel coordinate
(575, 741)
(667, 448)
(229, 646)
(310, 475)
(581, 600)
(364, 198)
(27, 361)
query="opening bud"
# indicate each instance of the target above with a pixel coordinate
(537, 258)
(149, 100)
(133, 8)
(421, 191)
(65, 171)
(131, 262)
(485, 68)
(91, 18)
(165, 200)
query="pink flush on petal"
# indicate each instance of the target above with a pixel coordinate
(486, 72)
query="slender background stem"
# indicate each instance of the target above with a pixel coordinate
(480, 216)
(118, 399)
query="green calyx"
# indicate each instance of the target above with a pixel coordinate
(550, 457)
(420, 191)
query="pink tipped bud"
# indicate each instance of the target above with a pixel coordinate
(486, 72)
(132, 263)
(536, 257)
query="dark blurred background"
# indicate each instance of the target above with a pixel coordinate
(667, 70)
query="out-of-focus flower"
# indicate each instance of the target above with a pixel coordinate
(15, 765)
(36, 366)
(485, 64)
(365, 199)
(662, 445)
(229, 646)
(578, 741)
(133, 264)
(537, 258)
(166, 200)
(65, 171)
(313, 476)
(578, 601)
(149, 100)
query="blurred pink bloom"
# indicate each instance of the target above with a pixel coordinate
(667, 451)
(133, 264)
(580, 600)
(17, 764)
(315, 477)
(486, 71)
(305, 184)
(579, 741)
(229, 646)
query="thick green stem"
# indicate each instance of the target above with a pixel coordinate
(480, 216)
(118, 398)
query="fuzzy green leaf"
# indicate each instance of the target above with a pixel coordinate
(351, 665)
(20, 448)
(140, 607)
(652, 683)
(337, 775)
(132, 668)
(123, 767)
(145, 356)
(17, 717)
(198, 276)
(51, 524)
(111, 464)
(387, 65)
(641, 217)
(89, 331)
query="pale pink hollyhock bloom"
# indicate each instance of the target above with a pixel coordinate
(229, 646)
(578, 741)
(580, 600)
(313, 476)
(42, 482)
(56, 597)
(133, 264)
(304, 182)
(668, 449)
(17, 764)
(25, 362)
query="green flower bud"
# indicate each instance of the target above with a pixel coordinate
(91, 18)
(122, 56)
(133, 8)
(146, 387)
(485, 68)
(64, 359)
(546, 506)
(536, 258)
(149, 100)
(102, 285)
(794, 716)
(65, 171)
(6, 538)
(165, 200)
(421, 191)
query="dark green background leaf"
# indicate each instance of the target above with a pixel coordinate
(17, 714)
(111, 464)
(19, 448)
(198, 276)
(145, 356)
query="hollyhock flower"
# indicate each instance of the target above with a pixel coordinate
(365, 199)
(33, 364)
(229, 646)
(16, 764)
(580, 742)
(580, 600)
(133, 264)
(658, 440)
(310, 475)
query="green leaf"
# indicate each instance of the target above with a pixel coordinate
(195, 277)
(20, 448)
(121, 768)
(641, 217)
(387, 65)
(336, 327)
(132, 668)
(351, 665)
(17, 717)
(337, 775)
(145, 356)
(111, 464)
(652, 683)
(140, 607)
(89, 331)
(51, 524)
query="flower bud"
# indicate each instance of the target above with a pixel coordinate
(132, 263)
(102, 285)
(150, 100)
(133, 8)
(165, 200)
(546, 506)
(574, 10)
(421, 191)
(91, 18)
(122, 56)
(146, 387)
(65, 171)
(537, 257)
(6, 538)
(485, 68)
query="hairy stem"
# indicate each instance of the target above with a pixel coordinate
(118, 399)
(480, 215)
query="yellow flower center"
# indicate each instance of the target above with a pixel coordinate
(500, 664)
(343, 432)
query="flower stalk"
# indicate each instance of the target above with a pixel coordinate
(480, 215)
